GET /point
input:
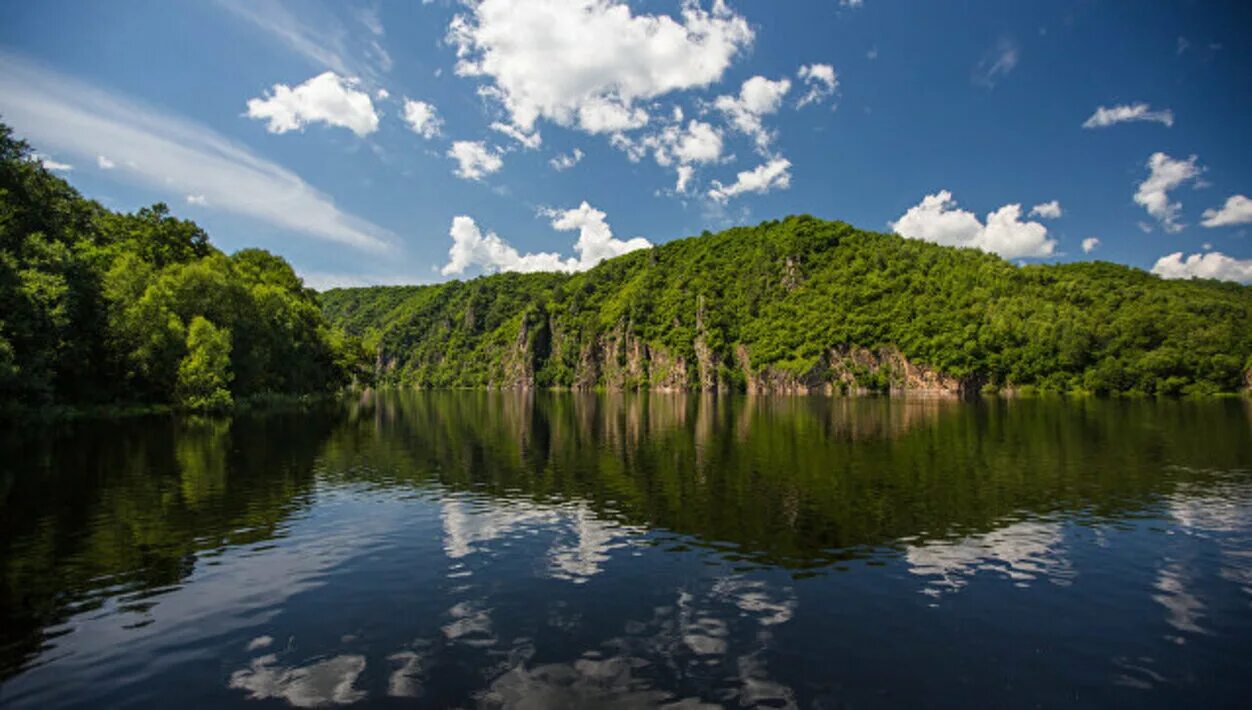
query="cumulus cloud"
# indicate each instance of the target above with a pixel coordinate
(676, 145)
(757, 97)
(471, 247)
(423, 118)
(772, 175)
(595, 240)
(1237, 210)
(1125, 113)
(53, 165)
(685, 173)
(474, 159)
(326, 98)
(1166, 173)
(938, 219)
(821, 81)
(565, 161)
(1046, 210)
(1090, 244)
(530, 140)
(996, 63)
(1211, 265)
(586, 63)
(104, 163)
(197, 200)
(697, 142)
(170, 154)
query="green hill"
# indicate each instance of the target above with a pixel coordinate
(807, 305)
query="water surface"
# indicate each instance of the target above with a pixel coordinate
(550, 550)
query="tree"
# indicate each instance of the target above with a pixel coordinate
(204, 375)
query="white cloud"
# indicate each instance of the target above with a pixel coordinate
(423, 118)
(1090, 244)
(470, 247)
(595, 240)
(1153, 193)
(197, 200)
(382, 94)
(774, 174)
(104, 163)
(996, 63)
(170, 154)
(938, 219)
(598, 115)
(685, 173)
(757, 97)
(585, 63)
(1046, 210)
(327, 98)
(1212, 265)
(699, 143)
(565, 161)
(53, 165)
(474, 159)
(1128, 112)
(821, 80)
(1237, 210)
(529, 141)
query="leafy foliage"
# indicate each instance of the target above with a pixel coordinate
(788, 292)
(102, 307)
(204, 374)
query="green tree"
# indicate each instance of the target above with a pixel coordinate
(204, 374)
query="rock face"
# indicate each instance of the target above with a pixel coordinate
(620, 360)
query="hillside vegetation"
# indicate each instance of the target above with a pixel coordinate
(808, 305)
(98, 307)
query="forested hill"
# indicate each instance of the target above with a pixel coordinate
(98, 307)
(807, 305)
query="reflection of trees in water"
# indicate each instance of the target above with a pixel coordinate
(801, 481)
(98, 510)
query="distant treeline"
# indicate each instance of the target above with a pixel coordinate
(98, 307)
(783, 304)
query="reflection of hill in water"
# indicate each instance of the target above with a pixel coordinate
(797, 481)
(125, 511)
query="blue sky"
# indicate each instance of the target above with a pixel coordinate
(357, 140)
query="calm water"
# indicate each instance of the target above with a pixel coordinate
(509, 550)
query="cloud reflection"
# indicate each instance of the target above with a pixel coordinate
(328, 682)
(1022, 551)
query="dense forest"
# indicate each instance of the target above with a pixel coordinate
(805, 305)
(98, 307)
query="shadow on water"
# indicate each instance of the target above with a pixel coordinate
(111, 516)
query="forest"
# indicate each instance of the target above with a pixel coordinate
(104, 308)
(804, 305)
(99, 308)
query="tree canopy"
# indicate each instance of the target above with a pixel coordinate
(103, 307)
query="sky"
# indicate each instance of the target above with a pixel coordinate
(375, 142)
